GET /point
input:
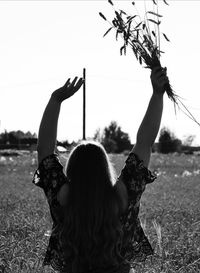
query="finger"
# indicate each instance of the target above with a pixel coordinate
(156, 69)
(164, 81)
(164, 71)
(67, 82)
(160, 73)
(79, 83)
(73, 82)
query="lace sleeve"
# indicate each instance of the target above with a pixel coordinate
(135, 176)
(50, 177)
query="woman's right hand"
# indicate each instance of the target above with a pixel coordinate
(159, 79)
(67, 90)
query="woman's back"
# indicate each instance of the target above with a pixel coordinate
(112, 239)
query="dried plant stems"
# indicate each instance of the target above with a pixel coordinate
(144, 42)
(138, 36)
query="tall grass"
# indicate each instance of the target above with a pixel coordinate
(170, 215)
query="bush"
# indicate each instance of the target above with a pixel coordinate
(113, 138)
(168, 143)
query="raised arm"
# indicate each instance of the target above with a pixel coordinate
(150, 125)
(48, 126)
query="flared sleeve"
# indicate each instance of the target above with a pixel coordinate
(50, 177)
(135, 176)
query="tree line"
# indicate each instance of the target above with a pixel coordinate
(17, 139)
(112, 137)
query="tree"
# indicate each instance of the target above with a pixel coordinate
(17, 138)
(113, 138)
(167, 142)
(4, 138)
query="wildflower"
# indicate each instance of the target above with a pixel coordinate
(186, 173)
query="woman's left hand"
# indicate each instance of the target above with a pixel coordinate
(159, 79)
(67, 90)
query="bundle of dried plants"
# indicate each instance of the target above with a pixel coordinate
(143, 37)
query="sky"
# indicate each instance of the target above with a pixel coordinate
(43, 43)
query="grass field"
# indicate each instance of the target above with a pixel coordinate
(170, 214)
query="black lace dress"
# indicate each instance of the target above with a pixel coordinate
(136, 247)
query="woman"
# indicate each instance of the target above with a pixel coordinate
(96, 228)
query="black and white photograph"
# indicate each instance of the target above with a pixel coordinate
(99, 136)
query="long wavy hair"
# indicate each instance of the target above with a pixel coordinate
(91, 235)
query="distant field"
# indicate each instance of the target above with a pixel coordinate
(170, 215)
